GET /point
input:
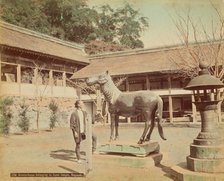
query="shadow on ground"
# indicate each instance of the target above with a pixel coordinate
(166, 170)
(78, 174)
(64, 154)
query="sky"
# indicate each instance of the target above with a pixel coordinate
(161, 13)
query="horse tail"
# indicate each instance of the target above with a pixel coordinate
(159, 115)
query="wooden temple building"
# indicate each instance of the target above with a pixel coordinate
(31, 63)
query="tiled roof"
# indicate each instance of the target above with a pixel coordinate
(21, 38)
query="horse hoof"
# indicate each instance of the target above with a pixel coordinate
(147, 139)
(140, 142)
(111, 139)
(116, 138)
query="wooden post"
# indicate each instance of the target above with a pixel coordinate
(51, 81)
(170, 100)
(18, 73)
(147, 83)
(194, 111)
(127, 85)
(35, 79)
(219, 107)
(64, 82)
(89, 163)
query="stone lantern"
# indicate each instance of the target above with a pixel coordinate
(207, 150)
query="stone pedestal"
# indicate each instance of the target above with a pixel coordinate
(149, 161)
(206, 159)
(182, 173)
(129, 148)
(207, 150)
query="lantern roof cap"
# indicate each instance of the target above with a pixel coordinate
(204, 80)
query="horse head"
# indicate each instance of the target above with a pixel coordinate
(98, 79)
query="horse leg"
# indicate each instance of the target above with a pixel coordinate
(147, 116)
(160, 128)
(152, 125)
(112, 125)
(116, 127)
(159, 115)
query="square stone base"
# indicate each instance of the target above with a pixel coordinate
(149, 161)
(129, 148)
(182, 173)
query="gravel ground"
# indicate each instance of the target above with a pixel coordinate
(53, 152)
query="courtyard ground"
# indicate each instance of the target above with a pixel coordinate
(53, 152)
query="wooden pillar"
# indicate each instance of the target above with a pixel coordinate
(170, 100)
(35, 79)
(64, 79)
(194, 110)
(89, 163)
(127, 85)
(51, 81)
(127, 89)
(98, 101)
(147, 83)
(18, 74)
(219, 105)
(64, 82)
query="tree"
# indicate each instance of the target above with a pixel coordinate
(25, 13)
(207, 46)
(204, 46)
(122, 26)
(23, 119)
(74, 20)
(53, 118)
(96, 47)
(5, 115)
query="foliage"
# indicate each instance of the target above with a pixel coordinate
(54, 109)
(25, 13)
(23, 119)
(75, 21)
(5, 115)
(96, 47)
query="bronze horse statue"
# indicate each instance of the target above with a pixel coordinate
(130, 104)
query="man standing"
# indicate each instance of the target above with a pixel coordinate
(78, 125)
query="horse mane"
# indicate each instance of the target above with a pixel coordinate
(110, 91)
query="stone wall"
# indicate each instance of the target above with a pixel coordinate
(66, 105)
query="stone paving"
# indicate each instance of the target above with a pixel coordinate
(53, 152)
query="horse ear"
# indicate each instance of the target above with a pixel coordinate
(107, 72)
